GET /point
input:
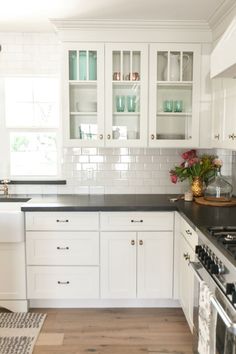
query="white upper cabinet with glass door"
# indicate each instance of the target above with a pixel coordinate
(84, 96)
(126, 77)
(174, 95)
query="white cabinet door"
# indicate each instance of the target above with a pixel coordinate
(83, 94)
(118, 265)
(186, 280)
(229, 132)
(12, 271)
(218, 112)
(155, 265)
(126, 96)
(174, 85)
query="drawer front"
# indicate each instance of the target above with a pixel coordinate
(189, 233)
(63, 282)
(62, 221)
(119, 221)
(62, 248)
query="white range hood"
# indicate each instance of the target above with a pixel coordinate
(223, 57)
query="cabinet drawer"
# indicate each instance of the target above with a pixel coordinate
(62, 248)
(63, 282)
(189, 233)
(162, 221)
(62, 221)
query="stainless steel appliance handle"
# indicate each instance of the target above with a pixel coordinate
(224, 316)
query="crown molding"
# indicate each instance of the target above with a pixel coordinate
(221, 13)
(109, 24)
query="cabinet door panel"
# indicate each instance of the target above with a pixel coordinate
(118, 265)
(155, 265)
(12, 271)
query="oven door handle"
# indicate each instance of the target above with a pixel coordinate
(224, 316)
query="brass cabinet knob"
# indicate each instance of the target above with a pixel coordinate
(141, 242)
(101, 136)
(152, 136)
(108, 136)
(132, 242)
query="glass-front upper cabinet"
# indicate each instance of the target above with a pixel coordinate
(84, 96)
(126, 76)
(174, 95)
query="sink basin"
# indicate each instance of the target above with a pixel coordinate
(11, 222)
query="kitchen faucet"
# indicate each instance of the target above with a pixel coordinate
(4, 188)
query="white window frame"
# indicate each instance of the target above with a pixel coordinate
(5, 154)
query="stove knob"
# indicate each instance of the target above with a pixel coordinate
(206, 259)
(214, 268)
(234, 297)
(230, 288)
(203, 255)
(198, 249)
(209, 262)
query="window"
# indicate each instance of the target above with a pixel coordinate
(32, 124)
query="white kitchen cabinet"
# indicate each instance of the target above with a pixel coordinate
(12, 271)
(83, 94)
(137, 263)
(118, 265)
(126, 94)
(223, 113)
(188, 240)
(62, 255)
(155, 265)
(174, 86)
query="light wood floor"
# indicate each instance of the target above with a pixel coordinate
(114, 331)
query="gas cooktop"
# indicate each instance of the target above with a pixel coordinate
(226, 237)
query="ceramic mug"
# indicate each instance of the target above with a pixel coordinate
(132, 76)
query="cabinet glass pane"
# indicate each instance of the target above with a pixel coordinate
(83, 111)
(162, 66)
(174, 111)
(126, 65)
(92, 65)
(126, 111)
(82, 65)
(73, 65)
(174, 66)
(187, 66)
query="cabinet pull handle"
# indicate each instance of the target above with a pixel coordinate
(136, 220)
(152, 136)
(188, 232)
(63, 282)
(132, 242)
(186, 256)
(62, 220)
(232, 136)
(108, 136)
(62, 248)
(141, 242)
(101, 136)
(217, 136)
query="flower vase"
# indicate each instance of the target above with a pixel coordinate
(197, 187)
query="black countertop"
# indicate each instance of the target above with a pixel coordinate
(199, 215)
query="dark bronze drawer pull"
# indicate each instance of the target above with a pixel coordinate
(62, 220)
(62, 248)
(136, 220)
(63, 282)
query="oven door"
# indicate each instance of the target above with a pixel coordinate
(225, 328)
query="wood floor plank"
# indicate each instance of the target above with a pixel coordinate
(117, 331)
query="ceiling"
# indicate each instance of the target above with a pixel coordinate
(34, 15)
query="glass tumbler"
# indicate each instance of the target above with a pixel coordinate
(168, 106)
(131, 103)
(120, 103)
(178, 106)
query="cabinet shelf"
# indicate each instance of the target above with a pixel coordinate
(126, 113)
(174, 114)
(83, 113)
(126, 82)
(83, 82)
(174, 83)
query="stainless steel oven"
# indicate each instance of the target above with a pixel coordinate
(218, 273)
